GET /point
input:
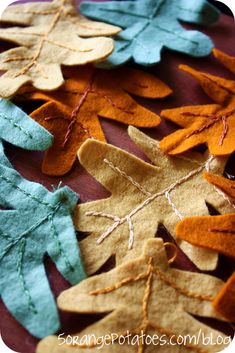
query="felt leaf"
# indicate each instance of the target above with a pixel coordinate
(143, 296)
(49, 39)
(151, 25)
(36, 221)
(143, 196)
(72, 113)
(212, 232)
(3, 158)
(213, 124)
(224, 302)
(227, 60)
(19, 129)
(215, 233)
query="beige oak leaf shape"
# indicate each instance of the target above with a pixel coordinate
(51, 37)
(144, 296)
(142, 197)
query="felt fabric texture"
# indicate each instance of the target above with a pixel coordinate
(151, 25)
(72, 113)
(224, 302)
(36, 221)
(143, 195)
(165, 301)
(209, 232)
(3, 158)
(215, 233)
(18, 128)
(51, 37)
(225, 185)
(212, 124)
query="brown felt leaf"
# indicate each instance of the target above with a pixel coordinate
(72, 113)
(215, 233)
(212, 124)
(142, 197)
(142, 296)
(51, 37)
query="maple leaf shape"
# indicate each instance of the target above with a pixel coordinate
(19, 129)
(151, 25)
(216, 233)
(36, 221)
(72, 113)
(142, 197)
(212, 124)
(143, 296)
(50, 40)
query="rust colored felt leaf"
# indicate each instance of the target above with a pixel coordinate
(49, 36)
(212, 232)
(212, 124)
(142, 297)
(72, 113)
(143, 195)
(215, 233)
(224, 302)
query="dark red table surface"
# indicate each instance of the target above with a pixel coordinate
(186, 92)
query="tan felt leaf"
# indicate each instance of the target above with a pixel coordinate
(142, 197)
(210, 124)
(50, 39)
(72, 112)
(142, 296)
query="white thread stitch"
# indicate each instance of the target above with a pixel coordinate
(208, 163)
(189, 160)
(124, 175)
(177, 212)
(225, 197)
(131, 233)
(119, 221)
(110, 230)
(102, 214)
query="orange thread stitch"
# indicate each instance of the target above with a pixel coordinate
(213, 119)
(146, 323)
(44, 38)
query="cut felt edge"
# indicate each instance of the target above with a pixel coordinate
(207, 232)
(224, 302)
(224, 184)
(225, 59)
(20, 130)
(144, 84)
(218, 88)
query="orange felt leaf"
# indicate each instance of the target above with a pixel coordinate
(212, 232)
(225, 185)
(72, 113)
(224, 302)
(227, 60)
(213, 124)
(215, 233)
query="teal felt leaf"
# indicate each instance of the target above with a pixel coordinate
(35, 222)
(151, 25)
(19, 129)
(3, 158)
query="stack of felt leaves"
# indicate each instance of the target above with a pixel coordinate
(51, 66)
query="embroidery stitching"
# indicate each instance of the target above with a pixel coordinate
(166, 192)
